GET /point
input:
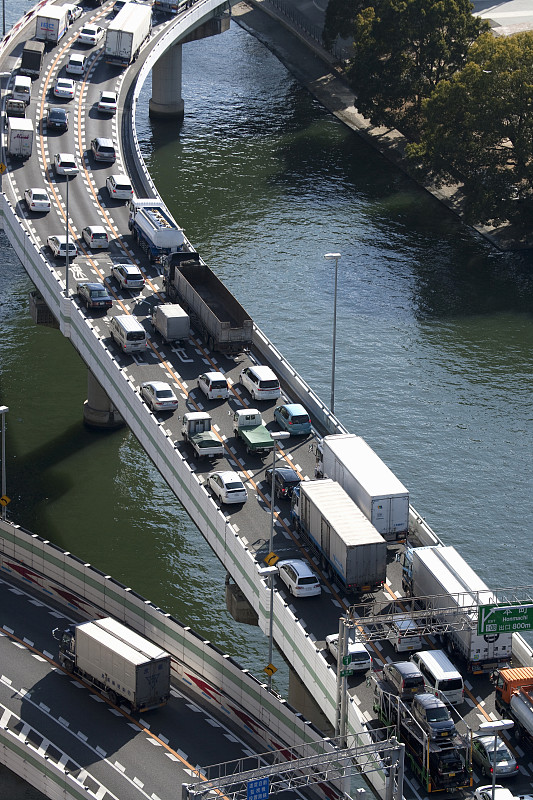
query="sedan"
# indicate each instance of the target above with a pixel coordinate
(159, 396)
(37, 200)
(228, 487)
(504, 763)
(285, 479)
(94, 295)
(299, 578)
(91, 34)
(108, 103)
(360, 659)
(65, 164)
(64, 87)
(57, 118)
(294, 418)
(128, 276)
(95, 236)
(58, 246)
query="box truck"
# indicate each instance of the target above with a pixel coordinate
(171, 321)
(32, 59)
(127, 32)
(52, 23)
(19, 137)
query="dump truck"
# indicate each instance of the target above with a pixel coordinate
(197, 430)
(126, 34)
(215, 312)
(32, 59)
(153, 227)
(350, 461)
(439, 766)
(51, 24)
(172, 322)
(118, 661)
(248, 426)
(441, 580)
(19, 137)
(340, 534)
(514, 698)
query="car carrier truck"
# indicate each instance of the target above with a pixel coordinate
(118, 661)
(340, 534)
(214, 311)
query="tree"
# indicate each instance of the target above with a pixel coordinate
(478, 128)
(403, 49)
(340, 19)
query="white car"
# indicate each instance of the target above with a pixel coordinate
(76, 64)
(91, 34)
(128, 276)
(299, 578)
(500, 793)
(228, 487)
(159, 396)
(108, 102)
(58, 246)
(65, 164)
(37, 200)
(74, 12)
(119, 187)
(64, 87)
(95, 236)
(214, 385)
(360, 659)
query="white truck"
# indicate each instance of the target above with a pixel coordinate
(349, 460)
(340, 534)
(197, 430)
(171, 321)
(19, 137)
(443, 582)
(248, 426)
(127, 32)
(153, 227)
(51, 24)
(120, 662)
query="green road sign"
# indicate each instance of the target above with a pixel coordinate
(505, 618)
(346, 673)
(346, 660)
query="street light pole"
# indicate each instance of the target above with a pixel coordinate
(335, 257)
(3, 412)
(67, 243)
(276, 435)
(495, 727)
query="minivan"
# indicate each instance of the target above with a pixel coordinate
(261, 382)
(406, 634)
(128, 333)
(440, 675)
(103, 149)
(76, 64)
(433, 716)
(22, 89)
(405, 678)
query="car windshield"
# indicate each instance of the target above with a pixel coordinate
(437, 714)
(97, 235)
(67, 164)
(269, 385)
(98, 293)
(40, 196)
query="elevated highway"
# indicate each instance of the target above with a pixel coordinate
(239, 538)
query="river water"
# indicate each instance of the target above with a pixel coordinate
(434, 341)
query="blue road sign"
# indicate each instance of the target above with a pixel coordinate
(258, 789)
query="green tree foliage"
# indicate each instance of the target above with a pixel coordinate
(402, 49)
(340, 19)
(478, 128)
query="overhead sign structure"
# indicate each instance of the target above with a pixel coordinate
(505, 618)
(258, 789)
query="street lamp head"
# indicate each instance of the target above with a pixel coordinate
(494, 726)
(280, 434)
(332, 255)
(4, 409)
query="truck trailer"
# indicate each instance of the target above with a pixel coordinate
(32, 59)
(153, 226)
(127, 32)
(350, 461)
(171, 321)
(514, 699)
(215, 312)
(19, 137)
(51, 24)
(445, 584)
(118, 661)
(341, 535)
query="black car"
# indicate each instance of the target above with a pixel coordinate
(285, 479)
(57, 118)
(94, 295)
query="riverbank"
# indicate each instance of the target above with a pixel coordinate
(315, 69)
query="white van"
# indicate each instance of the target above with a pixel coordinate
(76, 64)
(261, 382)
(406, 634)
(440, 675)
(128, 333)
(22, 88)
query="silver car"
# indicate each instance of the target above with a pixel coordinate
(504, 762)
(228, 487)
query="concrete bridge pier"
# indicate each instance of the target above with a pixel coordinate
(166, 101)
(98, 410)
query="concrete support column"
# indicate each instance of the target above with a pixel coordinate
(166, 101)
(301, 698)
(98, 410)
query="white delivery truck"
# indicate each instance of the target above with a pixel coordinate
(350, 461)
(52, 23)
(19, 137)
(171, 321)
(127, 32)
